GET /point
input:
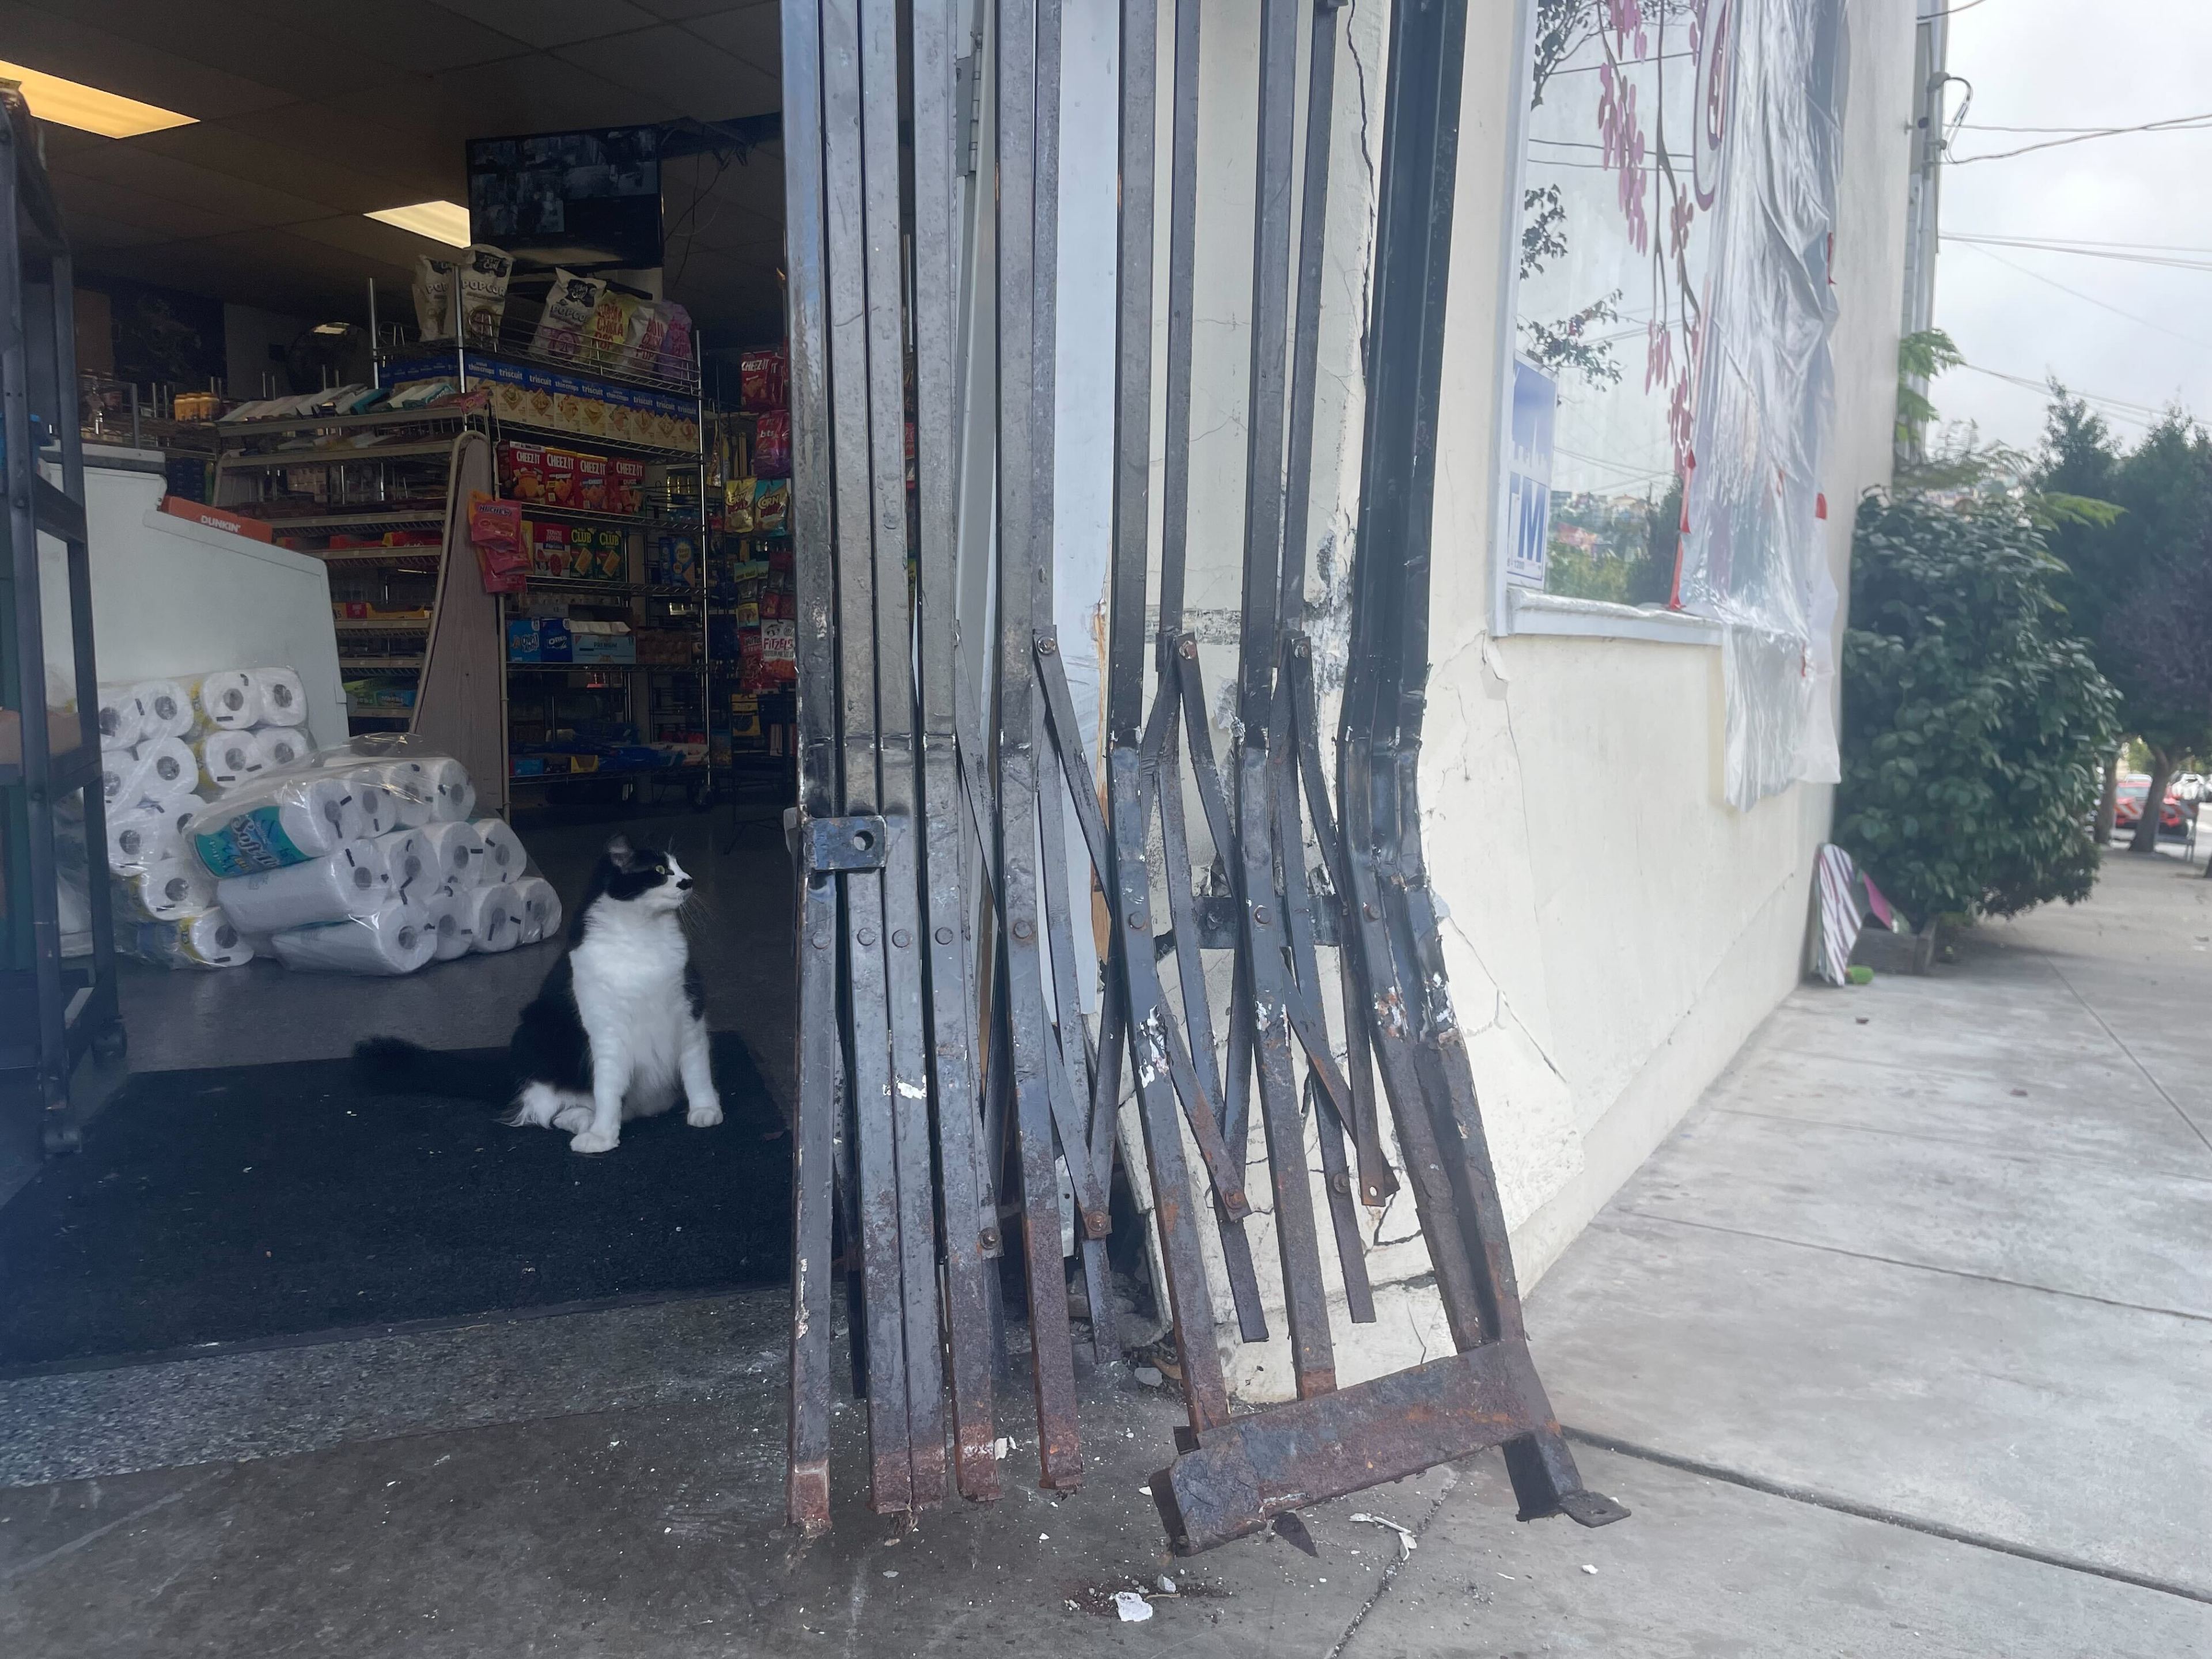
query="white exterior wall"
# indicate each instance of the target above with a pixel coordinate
(1616, 929)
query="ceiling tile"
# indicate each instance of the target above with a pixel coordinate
(417, 34)
(88, 233)
(695, 78)
(190, 186)
(520, 95)
(678, 10)
(157, 215)
(60, 45)
(754, 32)
(281, 166)
(410, 164)
(553, 22)
(213, 34)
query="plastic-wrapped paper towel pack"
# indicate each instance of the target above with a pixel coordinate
(363, 860)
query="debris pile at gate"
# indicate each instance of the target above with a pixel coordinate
(942, 1042)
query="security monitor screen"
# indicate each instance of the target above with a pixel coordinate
(580, 199)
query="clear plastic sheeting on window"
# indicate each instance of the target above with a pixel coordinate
(1752, 555)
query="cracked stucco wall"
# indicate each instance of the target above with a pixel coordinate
(1615, 929)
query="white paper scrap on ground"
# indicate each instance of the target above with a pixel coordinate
(1407, 1542)
(1133, 1606)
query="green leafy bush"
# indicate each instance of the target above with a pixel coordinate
(1973, 721)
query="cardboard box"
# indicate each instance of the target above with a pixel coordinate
(555, 643)
(216, 518)
(567, 403)
(537, 396)
(561, 478)
(522, 472)
(627, 488)
(592, 474)
(523, 640)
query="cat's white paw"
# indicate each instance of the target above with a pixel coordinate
(704, 1114)
(591, 1140)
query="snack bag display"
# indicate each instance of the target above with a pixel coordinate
(762, 379)
(484, 273)
(771, 505)
(434, 297)
(648, 330)
(569, 309)
(780, 651)
(772, 444)
(675, 364)
(609, 329)
(738, 507)
(495, 531)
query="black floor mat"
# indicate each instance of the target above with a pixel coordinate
(257, 1202)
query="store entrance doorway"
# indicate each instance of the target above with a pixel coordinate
(344, 418)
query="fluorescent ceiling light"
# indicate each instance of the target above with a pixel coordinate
(72, 104)
(441, 222)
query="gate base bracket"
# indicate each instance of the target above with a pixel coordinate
(1253, 1469)
(1589, 1508)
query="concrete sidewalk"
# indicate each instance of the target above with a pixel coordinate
(1900, 1345)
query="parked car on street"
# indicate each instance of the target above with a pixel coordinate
(2173, 818)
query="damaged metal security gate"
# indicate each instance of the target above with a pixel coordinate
(943, 1047)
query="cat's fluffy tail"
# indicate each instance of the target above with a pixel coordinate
(395, 1066)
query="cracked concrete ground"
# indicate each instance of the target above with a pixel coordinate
(1898, 1346)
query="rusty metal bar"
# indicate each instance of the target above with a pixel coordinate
(806, 1488)
(1027, 118)
(946, 895)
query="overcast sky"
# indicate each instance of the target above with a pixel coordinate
(2068, 63)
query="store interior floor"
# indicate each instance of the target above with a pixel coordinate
(738, 920)
(238, 1183)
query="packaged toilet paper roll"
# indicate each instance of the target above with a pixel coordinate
(229, 759)
(379, 806)
(171, 768)
(392, 941)
(457, 854)
(412, 863)
(541, 909)
(225, 699)
(451, 918)
(353, 881)
(209, 940)
(495, 918)
(122, 718)
(137, 834)
(504, 858)
(282, 746)
(166, 708)
(275, 822)
(279, 699)
(162, 889)
(452, 797)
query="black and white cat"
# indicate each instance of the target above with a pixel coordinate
(618, 1030)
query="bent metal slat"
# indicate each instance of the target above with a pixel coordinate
(949, 1078)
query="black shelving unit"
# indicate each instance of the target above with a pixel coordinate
(51, 1009)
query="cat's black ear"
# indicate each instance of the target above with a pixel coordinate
(619, 853)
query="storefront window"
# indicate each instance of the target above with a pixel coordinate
(1624, 141)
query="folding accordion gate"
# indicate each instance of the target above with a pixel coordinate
(948, 1073)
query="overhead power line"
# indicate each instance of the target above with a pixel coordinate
(2088, 299)
(2170, 261)
(2172, 124)
(2120, 406)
